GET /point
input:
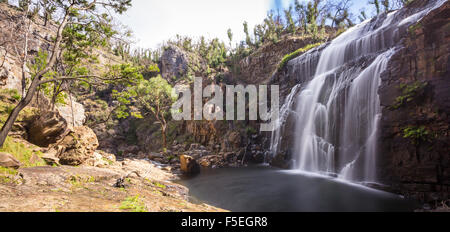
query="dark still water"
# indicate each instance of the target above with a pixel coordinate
(265, 189)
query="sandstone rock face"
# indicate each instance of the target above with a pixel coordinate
(73, 112)
(8, 161)
(415, 96)
(46, 128)
(9, 73)
(12, 35)
(177, 63)
(189, 165)
(418, 167)
(174, 63)
(259, 67)
(77, 147)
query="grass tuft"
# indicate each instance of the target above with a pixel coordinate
(133, 204)
(295, 54)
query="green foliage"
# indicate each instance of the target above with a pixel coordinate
(159, 185)
(21, 152)
(124, 74)
(134, 204)
(153, 68)
(248, 40)
(251, 131)
(416, 134)
(230, 36)
(293, 55)
(152, 96)
(12, 93)
(412, 29)
(50, 89)
(376, 4)
(7, 108)
(155, 95)
(409, 93)
(6, 175)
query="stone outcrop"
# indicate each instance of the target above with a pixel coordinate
(176, 63)
(415, 95)
(189, 165)
(77, 147)
(46, 128)
(413, 155)
(73, 112)
(8, 161)
(258, 67)
(12, 35)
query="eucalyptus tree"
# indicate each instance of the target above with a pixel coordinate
(82, 26)
(148, 98)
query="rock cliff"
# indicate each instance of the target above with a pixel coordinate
(415, 95)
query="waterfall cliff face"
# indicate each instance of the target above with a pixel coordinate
(329, 122)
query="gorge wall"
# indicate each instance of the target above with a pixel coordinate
(418, 165)
(402, 140)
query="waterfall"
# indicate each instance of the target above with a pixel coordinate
(337, 110)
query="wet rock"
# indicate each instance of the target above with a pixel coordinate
(230, 156)
(189, 165)
(413, 168)
(8, 161)
(258, 157)
(194, 146)
(154, 156)
(282, 160)
(213, 161)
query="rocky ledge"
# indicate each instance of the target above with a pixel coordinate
(130, 185)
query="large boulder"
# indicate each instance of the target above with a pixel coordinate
(77, 147)
(232, 141)
(189, 165)
(73, 113)
(8, 161)
(177, 63)
(174, 63)
(46, 128)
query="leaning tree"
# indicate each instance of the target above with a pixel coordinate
(82, 25)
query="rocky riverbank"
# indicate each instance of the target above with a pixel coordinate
(127, 185)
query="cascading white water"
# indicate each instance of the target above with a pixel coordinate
(338, 111)
(330, 122)
(362, 116)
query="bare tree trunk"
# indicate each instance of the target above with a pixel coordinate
(45, 18)
(163, 132)
(24, 63)
(16, 111)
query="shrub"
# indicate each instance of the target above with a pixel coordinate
(133, 204)
(20, 152)
(409, 93)
(295, 54)
(416, 134)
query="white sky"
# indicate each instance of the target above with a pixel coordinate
(155, 21)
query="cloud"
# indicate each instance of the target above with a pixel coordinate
(155, 21)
